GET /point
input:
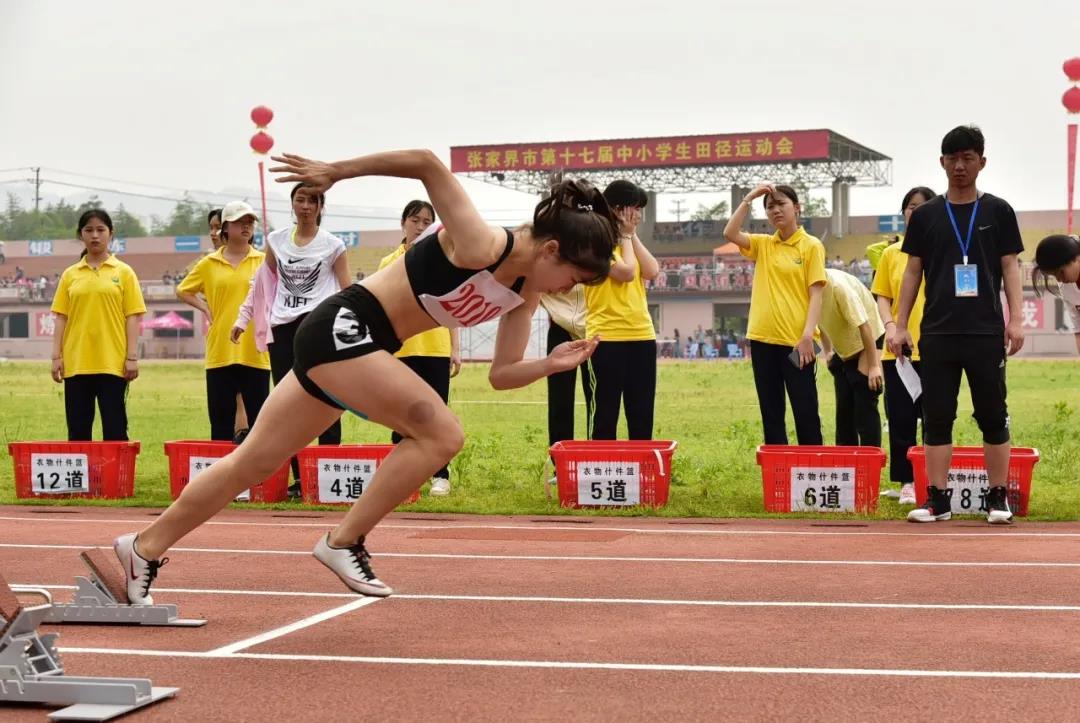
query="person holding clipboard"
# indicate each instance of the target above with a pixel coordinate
(965, 244)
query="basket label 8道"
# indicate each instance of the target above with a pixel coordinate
(57, 473)
(609, 483)
(969, 489)
(822, 489)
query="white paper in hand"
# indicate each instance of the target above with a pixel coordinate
(909, 377)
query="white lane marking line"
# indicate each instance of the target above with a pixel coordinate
(580, 558)
(293, 627)
(1008, 532)
(618, 601)
(584, 665)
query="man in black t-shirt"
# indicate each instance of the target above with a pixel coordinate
(965, 243)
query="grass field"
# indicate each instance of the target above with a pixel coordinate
(709, 407)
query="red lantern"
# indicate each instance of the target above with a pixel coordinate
(1071, 100)
(261, 142)
(1072, 69)
(261, 116)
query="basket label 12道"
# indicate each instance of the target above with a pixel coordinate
(615, 484)
(822, 489)
(59, 474)
(196, 465)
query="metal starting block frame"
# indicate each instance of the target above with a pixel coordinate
(31, 670)
(102, 599)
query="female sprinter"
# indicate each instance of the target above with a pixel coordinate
(461, 275)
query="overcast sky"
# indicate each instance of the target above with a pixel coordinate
(159, 93)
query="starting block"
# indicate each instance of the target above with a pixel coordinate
(31, 670)
(102, 599)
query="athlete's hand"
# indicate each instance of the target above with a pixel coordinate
(234, 334)
(314, 174)
(571, 354)
(58, 370)
(455, 364)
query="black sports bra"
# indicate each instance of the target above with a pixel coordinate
(430, 272)
(456, 297)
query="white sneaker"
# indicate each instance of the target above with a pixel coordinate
(139, 572)
(907, 494)
(353, 565)
(440, 487)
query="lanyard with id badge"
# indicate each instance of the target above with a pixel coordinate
(965, 275)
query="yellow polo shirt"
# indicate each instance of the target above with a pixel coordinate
(846, 304)
(887, 282)
(97, 303)
(433, 342)
(784, 271)
(225, 289)
(617, 310)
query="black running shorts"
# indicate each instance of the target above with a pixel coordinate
(347, 325)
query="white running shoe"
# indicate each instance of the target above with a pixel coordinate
(353, 565)
(139, 572)
(440, 487)
(907, 494)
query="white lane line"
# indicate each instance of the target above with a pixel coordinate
(293, 627)
(586, 665)
(1009, 532)
(618, 601)
(583, 558)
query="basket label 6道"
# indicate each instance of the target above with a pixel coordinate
(822, 489)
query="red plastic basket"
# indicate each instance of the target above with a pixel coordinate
(57, 469)
(967, 478)
(337, 474)
(602, 473)
(187, 456)
(825, 479)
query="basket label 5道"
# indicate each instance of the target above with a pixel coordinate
(609, 483)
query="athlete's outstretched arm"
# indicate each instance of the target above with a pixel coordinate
(474, 240)
(508, 368)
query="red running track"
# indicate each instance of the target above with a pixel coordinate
(635, 619)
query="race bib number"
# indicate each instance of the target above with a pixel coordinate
(60, 474)
(479, 299)
(198, 465)
(612, 484)
(822, 489)
(344, 480)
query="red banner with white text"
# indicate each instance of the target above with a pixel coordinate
(732, 148)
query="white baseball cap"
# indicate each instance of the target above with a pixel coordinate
(236, 210)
